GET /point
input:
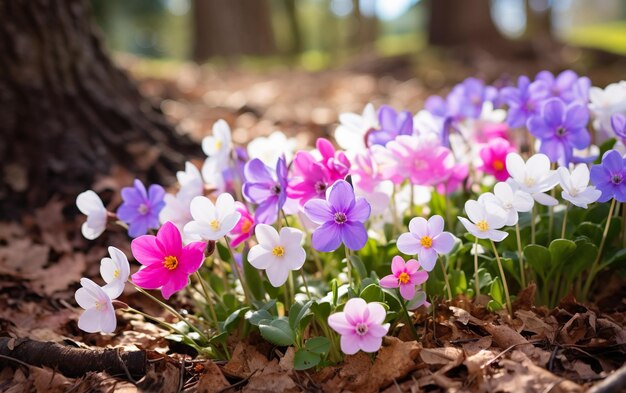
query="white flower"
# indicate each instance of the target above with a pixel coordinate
(99, 315)
(277, 254)
(534, 176)
(220, 143)
(90, 204)
(211, 222)
(511, 202)
(486, 219)
(350, 134)
(212, 173)
(177, 207)
(576, 188)
(425, 122)
(270, 149)
(114, 271)
(603, 103)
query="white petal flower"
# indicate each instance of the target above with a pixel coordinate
(115, 271)
(270, 149)
(486, 220)
(212, 170)
(425, 122)
(511, 202)
(350, 134)
(90, 204)
(99, 315)
(276, 253)
(533, 176)
(603, 103)
(576, 188)
(220, 143)
(177, 207)
(211, 222)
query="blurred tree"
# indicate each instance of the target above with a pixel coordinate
(463, 22)
(68, 113)
(294, 26)
(232, 27)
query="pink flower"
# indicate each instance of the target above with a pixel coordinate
(245, 226)
(365, 172)
(493, 156)
(360, 326)
(421, 159)
(458, 174)
(312, 176)
(406, 276)
(490, 131)
(426, 239)
(166, 263)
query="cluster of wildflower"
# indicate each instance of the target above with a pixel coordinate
(274, 209)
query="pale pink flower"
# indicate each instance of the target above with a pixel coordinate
(405, 276)
(360, 325)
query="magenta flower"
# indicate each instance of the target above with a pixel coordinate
(341, 217)
(336, 162)
(166, 263)
(426, 239)
(311, 179)
(493, 156)
(245, 226)
(141, 208)
(405, 276)
(360, 326)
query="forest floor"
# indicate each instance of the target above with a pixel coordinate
(463, 347)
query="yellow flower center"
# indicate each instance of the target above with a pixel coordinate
(116, 273)
(498, 165)
(404, 278)
(218, 144)
(482, 225)
(529, 181)
(426, 241)
(278, 251)
(246, 225)
(215, 225)
(98, 305)
(170, 262)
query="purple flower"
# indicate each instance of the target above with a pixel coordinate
(405, 276)
(266, 187)
(610, 177)
(140, 209)
(561, 128)
(341, 217)
(524, 100)
(392, 124)
(360, 325)
(427, 239)
(467, 98)
(566, 86)
(618, 123)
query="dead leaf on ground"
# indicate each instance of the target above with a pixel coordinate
(212, 379)
(441, 356)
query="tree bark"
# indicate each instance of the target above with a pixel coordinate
(68, 113)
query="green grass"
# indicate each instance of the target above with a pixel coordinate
(607, 36)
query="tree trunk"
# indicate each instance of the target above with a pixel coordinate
(230, 28)
(462, 22)
(68, 113)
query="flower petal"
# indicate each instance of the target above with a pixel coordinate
(370, 343)
(277, 274)
(341, 196)
(318, 211)
(389, 281)
(267, 236)
(327, 237)
(443, 243)
(175, 283)
(260, 257)
(418, 226)
(169, 239)
(350, 343)
(407, 291)
(354, 235)
(408, 244)
(146, 250)
(202, 209)
(151, 277)
(397, 265)
(360, 211)
(377, 313)
(435, 225)
(355, 310)
(338, 322)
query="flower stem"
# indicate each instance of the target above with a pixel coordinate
(445, 277)
(533, 215)
(244, 285)
(504, 284)
(594, 268)
(476, 269)
(171, 310)
(564, 221)
(349, 266)
(209, 300)
(522, 268)
(411, 202)
(409, 321)
(306, 285)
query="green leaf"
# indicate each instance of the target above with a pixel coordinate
(618, 257)
(358, 266)
(305, 359)
(591, 230)
(321, 310)
(278, 332)
(496, 291)
(298, 311)
(560, 252)
(538, 257)
(255, 317)
(458, 282)
(230, 322)
(494, 306)
(604, 147)
(253, 279)
(372, 293)
(319, 345)
(586, 253)
(223, 252)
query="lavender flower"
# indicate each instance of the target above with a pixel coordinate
(466, 99)
(524, 100)
(566, 86)
(618, 123)
(561, 128)
(392, 124)
(267, 188)
(610, 177)
(341, 217)
(140, 209)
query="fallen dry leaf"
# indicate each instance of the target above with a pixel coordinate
(441, 356)
(211, 380)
